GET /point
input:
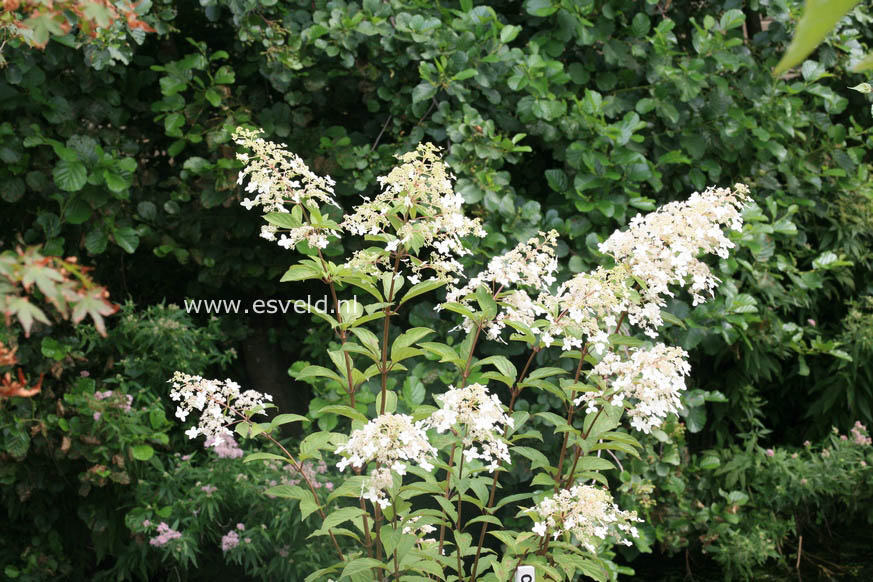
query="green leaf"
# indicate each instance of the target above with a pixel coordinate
(696, 419)
(413, 391)
(115, 182)
(285, 491)
(77, 211)
(819, 18)
(420, 288)
(95, 241)
(171, 85)
(213, 96)
(360, 565)
(300, 273)
(731, 19)
(142, 452)
(338, 516)
(508, 33)
(225, 76)
(127, 238)
(93, 304)
(390, 402)
(173, 124)
(70, 176)
(486, 302)
(541, 8)
(557, 180)
(281, 419)
(710, 462)
(343, 410)
(423, 92)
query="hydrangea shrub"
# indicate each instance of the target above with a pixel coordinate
(423, 492)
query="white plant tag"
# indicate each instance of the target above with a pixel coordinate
(525, 574)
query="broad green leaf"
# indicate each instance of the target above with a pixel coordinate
(127, 238)
(300, 273)
(70, 176)
(343, 410)
(819, 18)
(420, 288)
(360, 565)
(142, 452)
(541, 8)
(77, 211)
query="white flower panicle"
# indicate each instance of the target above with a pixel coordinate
(588, 513)
(418, 208)
(392, 440)
(531, 264)
(652, 379)
(214, 400)
(483, 420)
(278, 177)
(586, 308)
(661, 248)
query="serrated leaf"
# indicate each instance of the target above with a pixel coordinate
(26, 313)
(93, 304)
(127, 238)
(70, 176)
(95, 241)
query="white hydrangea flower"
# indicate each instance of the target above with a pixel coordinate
(219, 402)
(481, 414)
(661, 248)
(651, 379)
(392, 440)
(588, 513)
(279, 177)
(530, 264)
(423, 183)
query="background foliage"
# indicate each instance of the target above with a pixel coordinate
(567, 115)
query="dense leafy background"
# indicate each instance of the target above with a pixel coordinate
(567, 115)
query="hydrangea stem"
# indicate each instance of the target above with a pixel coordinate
(514, 392)
(385, 329)
(464, 377)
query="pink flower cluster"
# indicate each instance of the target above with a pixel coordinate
(165, 534)
(229, 541)
(860, 435)
(227, 448)
(126, 400)
(209, 490)
(309, 471)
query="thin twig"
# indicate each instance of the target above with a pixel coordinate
(378, 137)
